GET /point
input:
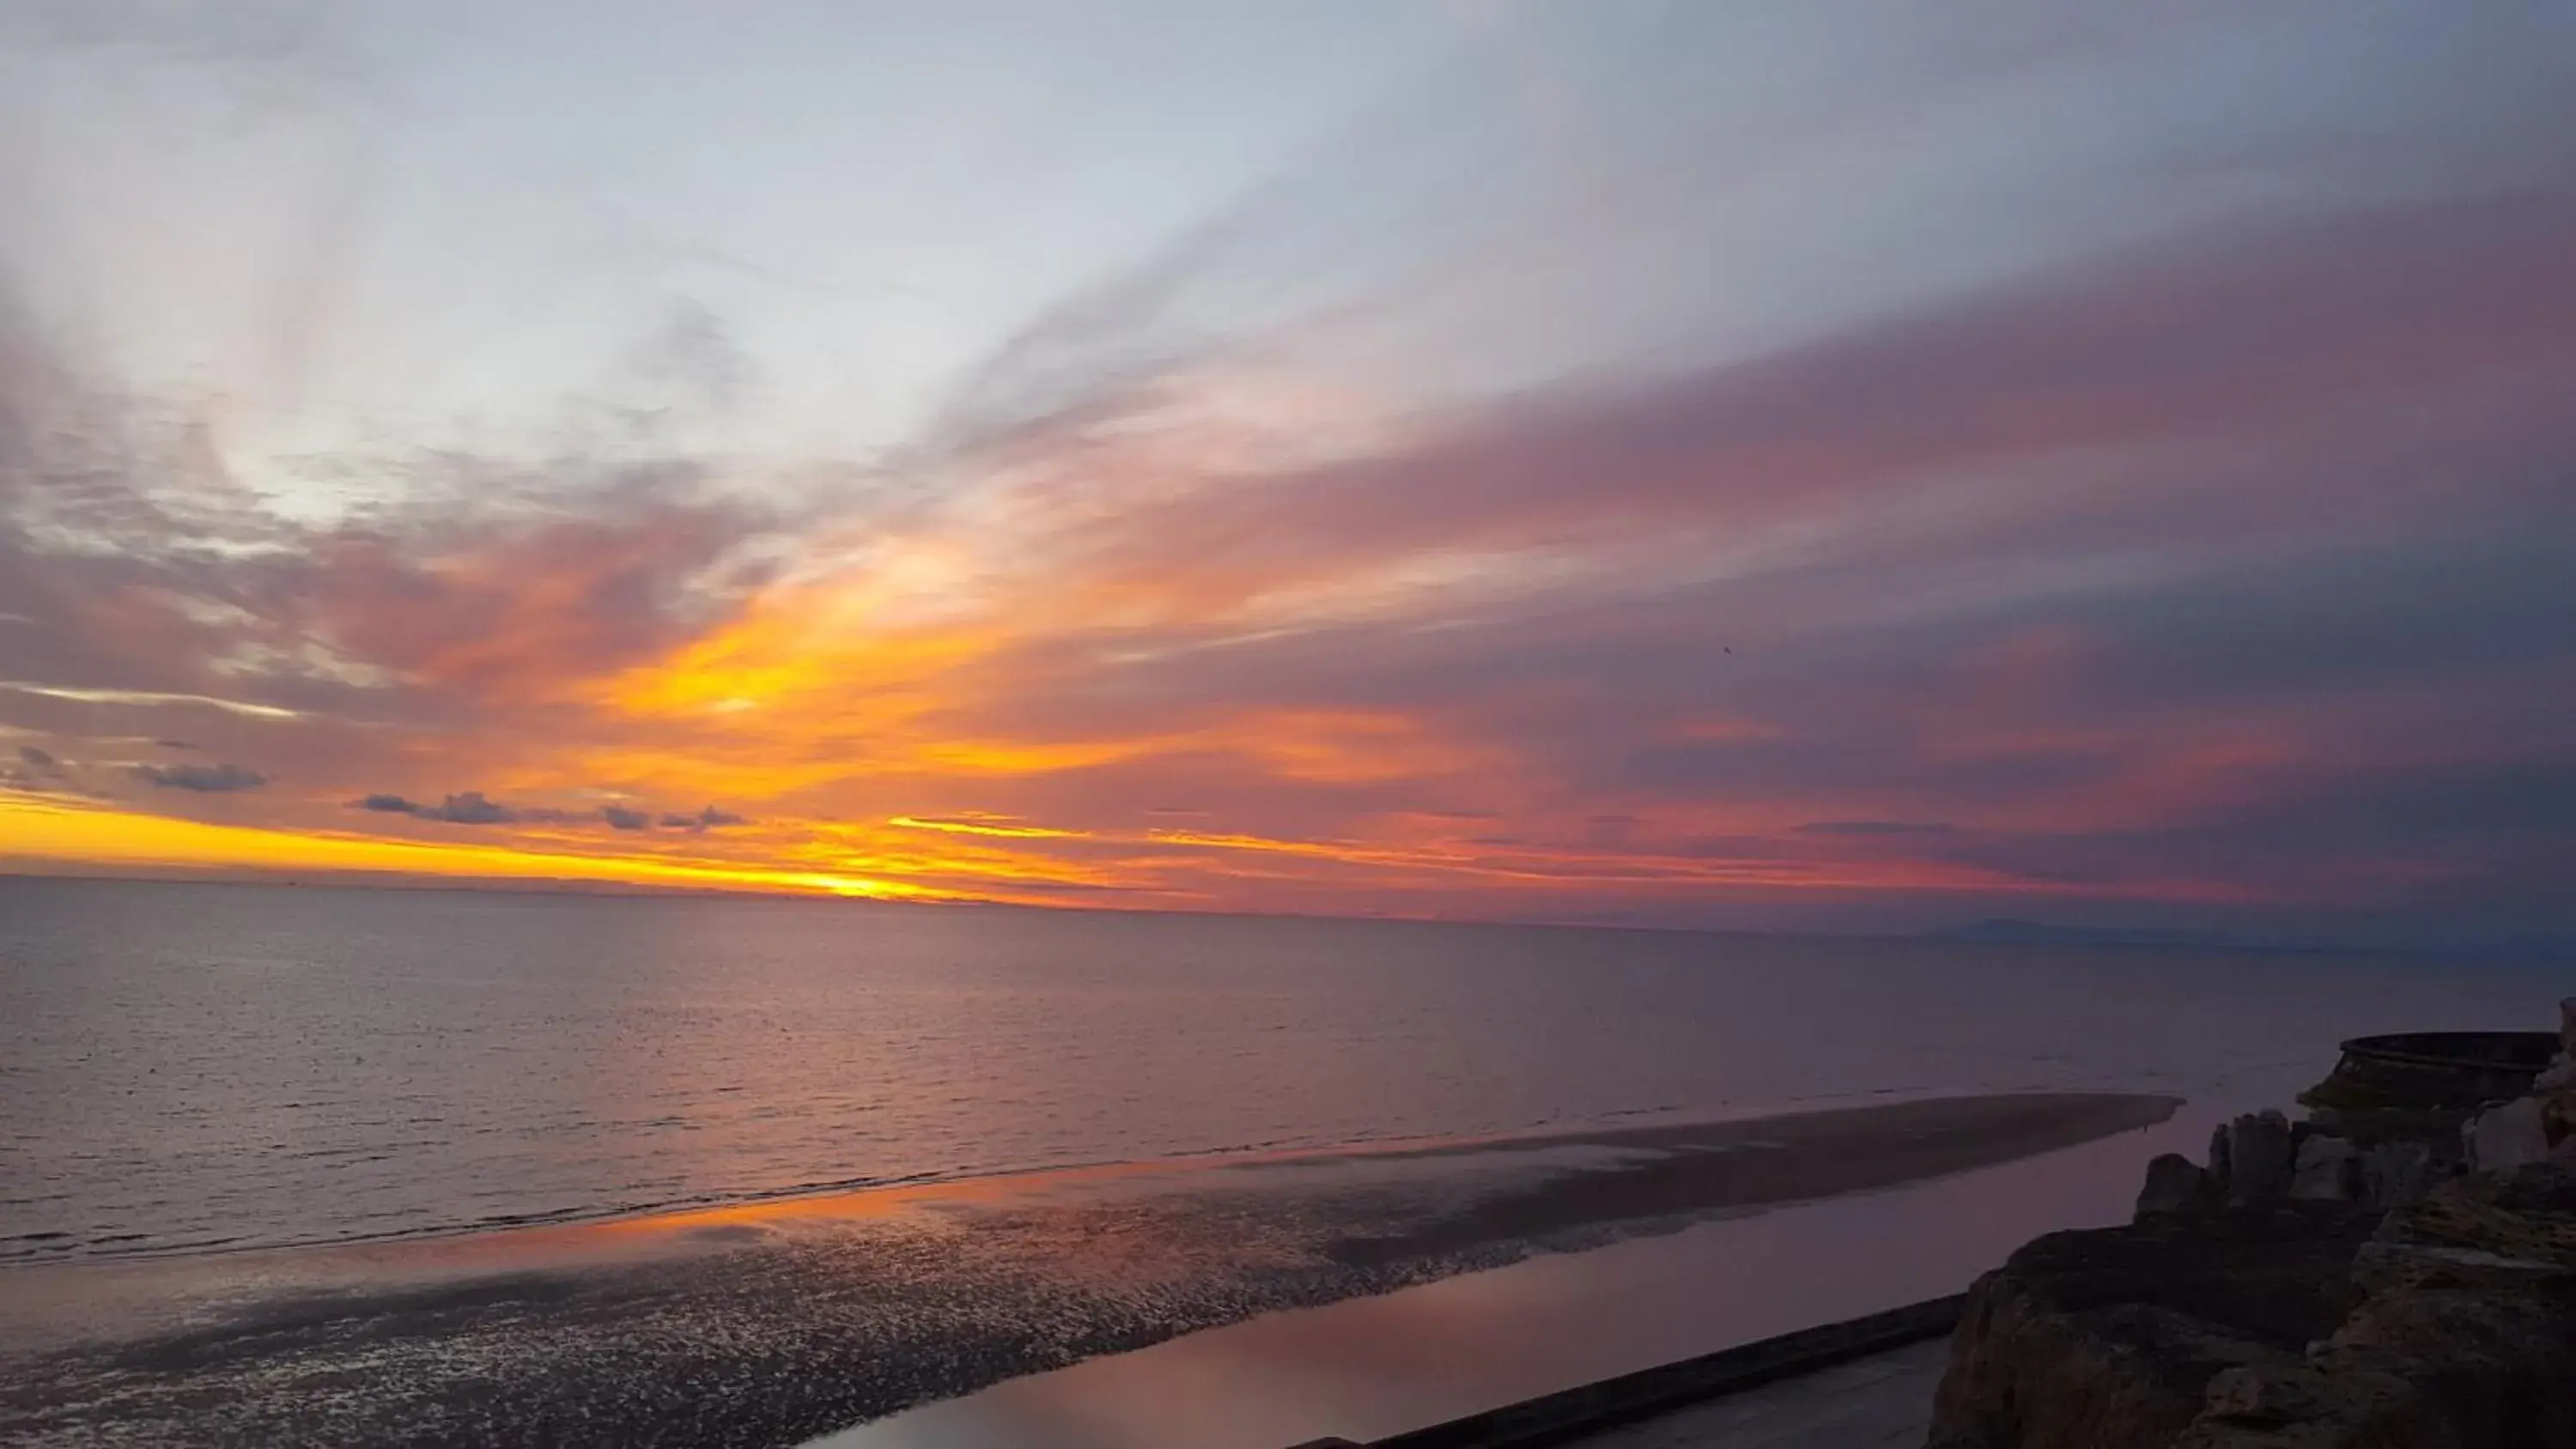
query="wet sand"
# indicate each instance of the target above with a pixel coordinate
(767, 1323)
(1366, 1368)
(1701, 1167)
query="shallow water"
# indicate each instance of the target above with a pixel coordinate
(191, 1067)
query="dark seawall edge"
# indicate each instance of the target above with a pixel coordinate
(1593, 1408)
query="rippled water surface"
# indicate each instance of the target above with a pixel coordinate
(198, 1066)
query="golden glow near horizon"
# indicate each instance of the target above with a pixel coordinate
(875, 746)
(855, 739)
(1307, 500)
(38, 829)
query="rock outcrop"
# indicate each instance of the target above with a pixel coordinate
(2465, 1334)
(2260, 1152)
(2328, 1170)
(2394, 1174)
(2508, 1136)
(2108, 1339)
(2305, 1290)
(2175, 1184)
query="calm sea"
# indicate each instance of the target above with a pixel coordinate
(186, 1068)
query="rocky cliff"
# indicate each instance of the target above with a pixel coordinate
(2303, 1290)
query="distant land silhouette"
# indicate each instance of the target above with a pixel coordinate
(2012, 930)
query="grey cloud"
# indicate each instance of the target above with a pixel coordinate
(469, 808)
(2363, 569)
(2233, 338)
(37, 771)
(473, 807)
(203, 779)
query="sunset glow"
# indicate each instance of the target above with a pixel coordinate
(1468, 464)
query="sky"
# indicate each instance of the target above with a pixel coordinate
(1836, 466)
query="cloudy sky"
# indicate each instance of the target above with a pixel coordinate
(1830, 465)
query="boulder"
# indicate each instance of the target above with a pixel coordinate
(2567, 1025)
(2174, 1184)
(2508, 1136)
(2259, 1160)
(2558, 1116)
(2394, 1174)
(2558, 1076)
(2327, 1170)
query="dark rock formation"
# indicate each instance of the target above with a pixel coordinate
(2446, 1322)
(2509, 1135)
(2399, 1274)
(2259, 1148)
(2328, 1170)
(2174, 1184)
(2394, 1174)
(2109, 1339)
(2528, 1214)
(2465, 1338)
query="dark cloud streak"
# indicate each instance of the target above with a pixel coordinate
(473, 807)
(200, 779)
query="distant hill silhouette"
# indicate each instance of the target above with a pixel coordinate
(2009, 930)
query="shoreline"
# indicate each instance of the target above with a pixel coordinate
(1367, 1369)
(770, 1322)
(1799, 1157)
(863, 1196)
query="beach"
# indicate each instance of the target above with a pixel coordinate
(770, 1322)
(1366, 1368)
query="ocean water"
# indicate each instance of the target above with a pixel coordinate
(444, 1167)
(186, 1068)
